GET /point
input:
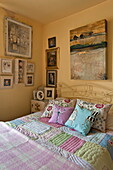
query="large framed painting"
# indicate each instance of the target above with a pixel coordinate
(88, 51)
(18, 38)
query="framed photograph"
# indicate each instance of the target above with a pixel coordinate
(30, 67)
(51, 78)
(6, 81)
(20, 71)
(49, 93)
(6, 66)
(52, 58)
(18, 38)
(29, 79)
(52, 42)
(40, 95)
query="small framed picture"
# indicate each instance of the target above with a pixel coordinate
(6, 66)
(29, 79)
(40, 95)
(52, 42)
(6, 81)
(51, 78)
(20, 71)
(30, 67)
(49, 93)
(52, 58)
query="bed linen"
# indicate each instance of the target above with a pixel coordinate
(18, 152)
(94, 151)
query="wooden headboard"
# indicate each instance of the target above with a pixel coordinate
(88, 92)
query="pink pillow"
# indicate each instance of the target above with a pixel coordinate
(61, 114)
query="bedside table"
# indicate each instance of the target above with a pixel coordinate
(37, 106)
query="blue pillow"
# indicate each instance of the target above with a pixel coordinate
(81, 119)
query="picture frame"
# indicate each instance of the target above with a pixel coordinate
(20, 71)
(18, 39)
(49, 93)
(51, 78)
(29, 79)
(52, 42)
(6, 66)
(30, 67)
(6, 82)
(52, 58)
(40, 95)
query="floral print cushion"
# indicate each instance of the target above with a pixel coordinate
(100, 122)
(63, 102)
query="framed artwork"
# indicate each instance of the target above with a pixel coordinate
(52, 58)
(40, 95)
(18, 38)
(30, 67)
(6, 66)
(6, 81)
(52, 42)
(29, 79)
(51, 78)
(88, 46)
(20, 70)
(49, 93)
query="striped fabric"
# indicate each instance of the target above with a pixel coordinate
(72, 144)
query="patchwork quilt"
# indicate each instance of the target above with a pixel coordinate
(94, 151)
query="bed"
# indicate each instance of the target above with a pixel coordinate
(36, 141)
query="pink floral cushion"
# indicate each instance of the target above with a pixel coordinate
(61, 114)
(63, 102)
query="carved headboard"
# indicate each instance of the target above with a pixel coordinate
(88, 92)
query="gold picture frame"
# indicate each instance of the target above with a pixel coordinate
(52, 58)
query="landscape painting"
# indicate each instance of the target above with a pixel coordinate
(88, 51)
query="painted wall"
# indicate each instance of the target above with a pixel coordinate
(61, 29)
(15, 102)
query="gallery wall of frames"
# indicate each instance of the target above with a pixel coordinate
(15, 68)
(16, 71)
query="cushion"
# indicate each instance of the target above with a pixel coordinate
(81, 119)
(63, 102)
(109, 122)
(100, 123)
(61, 114)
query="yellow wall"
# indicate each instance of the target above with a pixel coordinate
(61, 29)
(15, 102)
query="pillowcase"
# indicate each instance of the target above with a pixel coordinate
(63, 102)
(109, 122)
(61, 114)
(100, 123)
(81, 119)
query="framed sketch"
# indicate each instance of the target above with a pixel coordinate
(29, 79)
(6, 66)
(51, 78)
(30, 67)
(52, 42)
(52, 58)
(20, 71)
(18, 38)
(40, 95)
(6, 81)
(49, 93)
